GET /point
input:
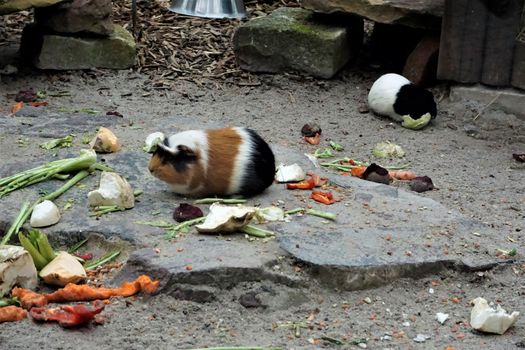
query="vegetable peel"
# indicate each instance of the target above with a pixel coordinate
(487, 319)
(416, 124)
(16, 268)
(62, 270)
(223, 218)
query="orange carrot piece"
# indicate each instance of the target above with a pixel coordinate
(358, 171)
(313, 140)
(12, 313)
(323, 197)
(74, 292)
(17, 106)
(402, 174)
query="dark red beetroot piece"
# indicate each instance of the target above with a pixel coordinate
(310, 130)
(519, 157)
(377, 173)
(421, 184)
(185, 212)
(26, 96)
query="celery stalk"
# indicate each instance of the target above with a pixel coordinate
(39, 261)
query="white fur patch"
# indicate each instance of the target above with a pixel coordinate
(382, 95)
(243, 157)
(197, 140)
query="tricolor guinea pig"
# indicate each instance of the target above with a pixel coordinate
(394, 96)
(216, 162)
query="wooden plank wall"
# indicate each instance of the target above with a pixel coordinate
(480, 42)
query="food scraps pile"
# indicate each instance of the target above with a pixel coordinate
(22, 266)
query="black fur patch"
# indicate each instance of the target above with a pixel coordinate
(179, 160)
(415, 101)
(260, 168)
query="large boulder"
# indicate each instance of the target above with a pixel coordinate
(52, 51)
(77, 16)
(8, 6)
(413, 13)
(292, 39)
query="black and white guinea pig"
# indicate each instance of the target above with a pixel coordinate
(215, 162)
(394, 96)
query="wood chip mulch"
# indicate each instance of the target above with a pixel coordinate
(172, 46)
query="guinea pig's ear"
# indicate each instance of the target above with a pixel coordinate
(163, 147)
(186, 151)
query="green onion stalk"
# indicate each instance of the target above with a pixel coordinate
(103, 260)
(314, 212)
(47, 171)
(27, 209)
(220, 200)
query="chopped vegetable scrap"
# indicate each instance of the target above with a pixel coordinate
(313, 182)
(37, 244)
(63, 142)
(311, 133)
(26, 96)
(105, 141)
(519, 157)
(336, 147)
(313, 140)
(303, 185)
(289, 173)
(12, 313)
(326, 153)
(185, 212)
(38, 103)
(402, 174)
(358, 171)
(421, 184)
(115, 113)
(388, 150)
(73, 292)
(323, 197)
(68, 315)
(318, 181)
(17, 106)
(311, 130)
(377, 173)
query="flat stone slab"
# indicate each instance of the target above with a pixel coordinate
(292, 39)
(52, 51)
(381, 232)
(413, 13)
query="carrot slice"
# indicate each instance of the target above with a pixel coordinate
(313, 140)
(74, 292)
(402, 174)
(323, 197)
(358, 171)
(17, 106)
(12, 313)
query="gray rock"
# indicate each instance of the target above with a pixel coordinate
(77, 16)
(413, 13)
(292, 39)
(51, 51)
(9, 6)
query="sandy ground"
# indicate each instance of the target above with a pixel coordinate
(470, 162)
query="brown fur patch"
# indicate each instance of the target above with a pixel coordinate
(166, 172)
(223, 145)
